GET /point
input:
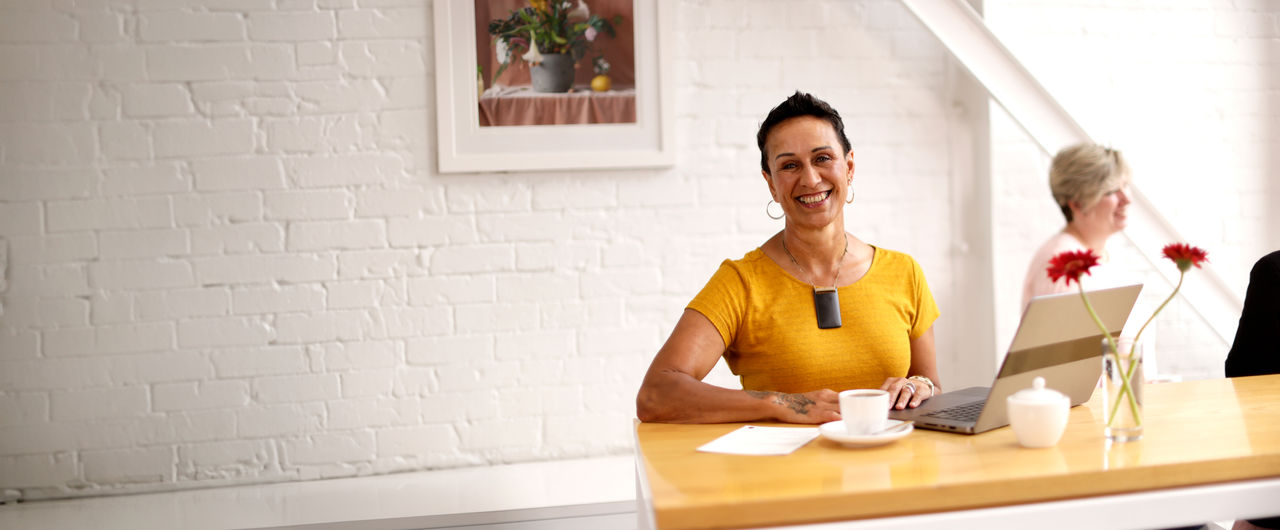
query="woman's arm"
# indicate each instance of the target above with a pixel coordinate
(673, 390)
(924, 361)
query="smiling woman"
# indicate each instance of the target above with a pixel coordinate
(869, 324)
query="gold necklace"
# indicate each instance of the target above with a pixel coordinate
(826, 300)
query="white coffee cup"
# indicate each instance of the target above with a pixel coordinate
(865, 411)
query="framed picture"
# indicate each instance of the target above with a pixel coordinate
(475, 129)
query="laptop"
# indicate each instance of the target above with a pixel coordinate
(1056, 340)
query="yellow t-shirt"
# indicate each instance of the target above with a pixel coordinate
(766, 318)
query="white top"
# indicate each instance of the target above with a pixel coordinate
(1037, 280)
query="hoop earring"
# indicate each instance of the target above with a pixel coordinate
(850, 201)
(768, 213)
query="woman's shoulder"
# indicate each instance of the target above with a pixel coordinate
(893, 259)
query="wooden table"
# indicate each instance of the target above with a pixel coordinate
(1210, 451)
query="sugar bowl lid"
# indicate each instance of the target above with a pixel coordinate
(1038, 394)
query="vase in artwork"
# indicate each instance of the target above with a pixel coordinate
(554, 74)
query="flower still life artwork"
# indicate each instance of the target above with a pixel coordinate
(551, 36)
(1122, 359)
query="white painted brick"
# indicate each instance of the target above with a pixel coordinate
(37, 470)
(18, 344)
(416, 441)
(224, 174)
(540, 226)
(345, 170)
(535, 345)
(382, 58)
(53, 248)
(504, 433)
(278, 299)
(294, 135)
(611, 283)
(99, 404)
(108, 307)
(101, 27)
(324, 327)
(229, 331)
(43, 101)
(490, 318)
(38, 439)
(20, 218)
(415, 381)
(202, 395)
(39, 184)
(345, 414)
(49, 312)
(129, 465)
(401, 322)
(23, 409)
(246, 238)
(157, 100)
(221, 208)
(183, 303)
(47, 374)
(36, 26)
(352, 294)
(187, 26)
(316, 53)
(459, 407)
(379, 264)
(161, 367)
(427, 232)
(398, 202)
(350, 96)
(534, 288)
(382, 23)
(472, 259)
(118, 62)
(140, 274)
(177, 139)
(367, 383)
(357, 355)
(143, 243)
(70, 279)
(228, 459)
(158, 178)
(617, 341)
(49, 144)
(195, 63)
(122, 338)
(270, 360)
(448, 348)
(299, 26)
(557, 256)
(277, 420)
(329, 235)
(297, 205)
(329, 448)
(185, 427)
(262, 269)
(153, 212)
(452, 290)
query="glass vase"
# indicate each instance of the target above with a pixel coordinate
(1122, 379)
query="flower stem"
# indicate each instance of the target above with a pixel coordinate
(1125, 390)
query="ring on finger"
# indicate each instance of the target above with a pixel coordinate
(912, 388)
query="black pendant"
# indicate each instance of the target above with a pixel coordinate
(826, 302)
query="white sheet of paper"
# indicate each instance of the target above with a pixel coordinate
(756, 440)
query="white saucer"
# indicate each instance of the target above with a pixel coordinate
(835, 431)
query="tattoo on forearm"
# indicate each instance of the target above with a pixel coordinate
(796, 402)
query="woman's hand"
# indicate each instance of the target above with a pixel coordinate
(818, 406)
(904, 393)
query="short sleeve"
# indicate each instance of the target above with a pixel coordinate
(723, 300)
(926, 309)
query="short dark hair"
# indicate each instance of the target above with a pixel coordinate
(799, 104)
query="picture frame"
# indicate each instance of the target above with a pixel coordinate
(465, 146)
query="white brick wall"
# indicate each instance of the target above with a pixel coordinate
(226, 256)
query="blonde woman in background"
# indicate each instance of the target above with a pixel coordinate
(1090, 183)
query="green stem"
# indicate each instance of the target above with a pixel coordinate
(1181, 275)
(1125, 390)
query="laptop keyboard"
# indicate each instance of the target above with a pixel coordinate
(966, 412)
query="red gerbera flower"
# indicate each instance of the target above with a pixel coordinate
(1071, 264)
(1185, 255)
